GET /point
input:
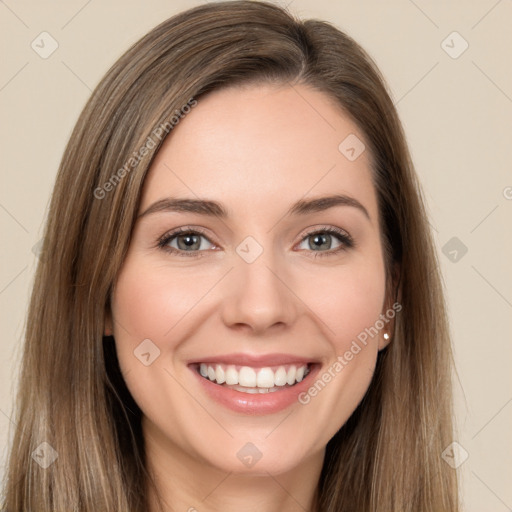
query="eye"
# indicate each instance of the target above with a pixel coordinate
(185, 240)
(327, 240)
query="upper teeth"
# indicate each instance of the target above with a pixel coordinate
(254, 377)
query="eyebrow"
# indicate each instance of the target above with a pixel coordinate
(215, 209)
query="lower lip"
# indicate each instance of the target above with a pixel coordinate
(252, 403)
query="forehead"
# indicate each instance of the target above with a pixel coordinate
(261, 146)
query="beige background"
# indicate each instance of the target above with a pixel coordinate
(457, 114)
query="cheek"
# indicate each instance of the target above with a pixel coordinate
(350, 306)
(149, 301)
(141, 311)
(348, 301)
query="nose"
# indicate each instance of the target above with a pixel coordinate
(258, 297)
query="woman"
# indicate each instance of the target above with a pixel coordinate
(239, 304)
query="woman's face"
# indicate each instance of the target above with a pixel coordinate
(277, 271)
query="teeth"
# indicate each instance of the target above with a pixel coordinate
(254, 380)
(250, 390)
(265, 378)
(231, 375)
(290, 378)
(220, 375)
(255, 390)
(247, 377)
(280, 377)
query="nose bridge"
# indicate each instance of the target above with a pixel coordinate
(258, 296)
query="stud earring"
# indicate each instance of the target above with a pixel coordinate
(386, 336)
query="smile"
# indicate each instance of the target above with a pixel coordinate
(254, 384)
(254, 380)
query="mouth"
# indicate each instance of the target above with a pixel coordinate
(255, 386)
(247, 379)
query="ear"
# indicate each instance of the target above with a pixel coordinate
(391, 308)
(384, 338)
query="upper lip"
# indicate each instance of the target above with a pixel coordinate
(255, 361)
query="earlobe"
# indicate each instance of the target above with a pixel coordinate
(384, 340)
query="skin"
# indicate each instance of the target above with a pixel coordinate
(257, 150)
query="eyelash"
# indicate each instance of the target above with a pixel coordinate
(344, 238)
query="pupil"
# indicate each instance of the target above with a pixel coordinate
(188, 241)
(320, 239)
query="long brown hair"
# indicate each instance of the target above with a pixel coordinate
(387, 457)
